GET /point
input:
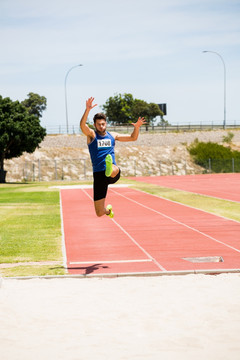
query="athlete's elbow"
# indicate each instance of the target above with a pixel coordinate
(133, 138)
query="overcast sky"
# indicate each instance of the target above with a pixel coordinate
(149, 48)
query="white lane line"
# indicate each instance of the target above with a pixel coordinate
(108, 261)
(63, 235)
(139, 246)
(202, 194)
(178, 222)
(188, 206)
(133, 240)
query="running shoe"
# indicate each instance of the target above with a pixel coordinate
(111, 214)
(108, 161)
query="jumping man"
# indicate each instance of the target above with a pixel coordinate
(101, 147)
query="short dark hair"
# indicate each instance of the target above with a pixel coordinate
(99, 116)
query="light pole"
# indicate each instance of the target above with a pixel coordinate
(224, 84)
(65, 83)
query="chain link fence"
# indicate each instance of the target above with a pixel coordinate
(222, 165)
(81, 169)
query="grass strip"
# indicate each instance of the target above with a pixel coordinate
(30, 225)
(42, 270)
(228, 209)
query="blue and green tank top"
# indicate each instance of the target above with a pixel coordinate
(99, 148)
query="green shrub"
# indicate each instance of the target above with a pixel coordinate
(228, 138)
(221, 158)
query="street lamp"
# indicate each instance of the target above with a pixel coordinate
(224, 74)
(66, 92)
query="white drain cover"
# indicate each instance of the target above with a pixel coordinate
(204, 259)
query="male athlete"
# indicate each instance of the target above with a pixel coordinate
(101, 147)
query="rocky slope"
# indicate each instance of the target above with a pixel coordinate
(66, 157)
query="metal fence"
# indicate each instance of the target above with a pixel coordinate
(81, 169)
(74, 129)
(222, 165)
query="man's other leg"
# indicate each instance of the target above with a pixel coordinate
(100, 208)
(115, 171)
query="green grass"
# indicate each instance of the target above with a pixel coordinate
(219, 207)
(30, 224)
(33, 271)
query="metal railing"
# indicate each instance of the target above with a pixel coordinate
(74, 129)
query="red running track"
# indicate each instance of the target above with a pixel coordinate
(223, 186)
(148, 234)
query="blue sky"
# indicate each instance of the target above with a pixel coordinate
(150, 48)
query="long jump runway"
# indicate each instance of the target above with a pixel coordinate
(148, 235)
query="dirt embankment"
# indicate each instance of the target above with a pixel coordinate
(66, 157)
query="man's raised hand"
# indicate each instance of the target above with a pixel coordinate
(141, 121)
(89, 103)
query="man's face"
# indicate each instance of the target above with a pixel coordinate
(100, 126)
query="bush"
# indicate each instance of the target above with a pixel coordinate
(228, 138)
(221, 158)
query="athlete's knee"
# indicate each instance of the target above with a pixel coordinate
(115, 171)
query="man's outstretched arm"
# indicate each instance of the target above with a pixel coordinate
(83, 122)
(134, 135)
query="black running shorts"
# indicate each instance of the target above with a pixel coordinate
(100, 184)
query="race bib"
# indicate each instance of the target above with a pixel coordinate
(104, 143)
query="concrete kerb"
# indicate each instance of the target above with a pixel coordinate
(118, 275)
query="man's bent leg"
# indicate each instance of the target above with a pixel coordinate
(100, 188)
(114, 179)
(115, 171)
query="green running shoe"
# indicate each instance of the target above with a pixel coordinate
(111, 214)
(108, 161)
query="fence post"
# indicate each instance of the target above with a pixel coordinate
(172, 169)
(135, 168)
(185, 167)
(84, 168)
(55, 163)
(62, 171)
(160, 167)
(39, 170)
(209, 165)
(233, 167)
(33, 171)
(26, 171)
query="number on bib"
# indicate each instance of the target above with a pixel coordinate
(104, 143)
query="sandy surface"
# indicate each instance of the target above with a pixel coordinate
(168, 317)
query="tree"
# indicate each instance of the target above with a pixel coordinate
(35, 104)
(124, 109)
(149, 111)
(20, 131)
(118, 109)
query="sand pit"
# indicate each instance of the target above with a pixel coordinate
(168, 317)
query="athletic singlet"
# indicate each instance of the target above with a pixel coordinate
(99, 148)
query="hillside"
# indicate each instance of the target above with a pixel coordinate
(66, 157)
